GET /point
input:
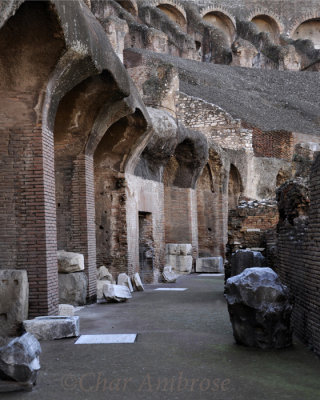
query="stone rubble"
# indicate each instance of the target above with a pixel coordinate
(168, 275)
(124, 279)
(259, 308)
(116, 293)
(19, 363)
(69, 262)
(53, 327)
(136, 282)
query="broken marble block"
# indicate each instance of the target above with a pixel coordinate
(19, 363)
(66, 310)
(103, 274)
(137, 284)
(259, 308)
(53, 327)
(243, 259)
(116, 293)
(168, 275)
(180, 264)
(100, 285)
(73, 288)
(14, 300)
(179, 256)
(123, 279)
(210, 265)
(69, 262)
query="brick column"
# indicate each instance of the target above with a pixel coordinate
(27, 228)
(83, 217)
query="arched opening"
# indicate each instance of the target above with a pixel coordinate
(129, 5)
(111, 197)
(264, 23)
(234, 187)
(174, 14)
(222, 22)
(309, 30)
(74, 178)
(31, 43)
(206, 203)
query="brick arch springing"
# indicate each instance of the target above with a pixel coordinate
(27, 232)
(235, 187)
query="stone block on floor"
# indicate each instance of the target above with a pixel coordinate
(124, 279)
(137, 284)
(73, 288)
(210, 264)
(14, 299)
(259, 308)
(69, 262)
(19, 363)
(53, 327)
(116, 293)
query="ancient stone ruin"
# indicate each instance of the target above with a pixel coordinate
(146, 140)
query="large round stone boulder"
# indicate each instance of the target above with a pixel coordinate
(259, 308)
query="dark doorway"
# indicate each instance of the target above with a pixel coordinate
(146, 248)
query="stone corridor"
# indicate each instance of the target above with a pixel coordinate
(184, 350)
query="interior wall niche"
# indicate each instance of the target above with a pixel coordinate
(146, 247)
(264, 23)
(309, 30)
(221, 22)
(174, 14)
(234, 187)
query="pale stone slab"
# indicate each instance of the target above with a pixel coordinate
(107, 339)
(137, 282)
(66, 310)
(53, 327)
(116, 293)
(171, 289)
(73, 288)
(123, 279)
(100, 285)
(209, 264)
(14, 299)
(180, 264)
(214, 275)
(103, 274)
(69, 262)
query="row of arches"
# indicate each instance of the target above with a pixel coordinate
(308, 29)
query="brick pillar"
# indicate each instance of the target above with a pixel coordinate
(27, 225)
(83, 217)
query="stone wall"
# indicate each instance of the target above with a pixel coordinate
(299, 254)
(214, 122)
(277, 144)
(249, 222)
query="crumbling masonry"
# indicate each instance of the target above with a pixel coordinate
(129, 125)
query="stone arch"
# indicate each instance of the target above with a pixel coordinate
(268, 24)
(174, 11)
(75, 117)
(110, 159)
(129, 5)
(221, 20)
(28, 229)
(308, 29)
(211, 208)
(179, 178)
(235, 187)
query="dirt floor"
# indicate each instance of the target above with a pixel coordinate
(184, 350)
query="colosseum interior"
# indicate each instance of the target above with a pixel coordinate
(141, 135)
